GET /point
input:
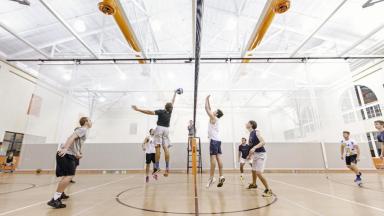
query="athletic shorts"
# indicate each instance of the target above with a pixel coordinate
(352, 159)
(162, 136)
(214, 147)
(244, 161)
(259, 160)
(150, 157)
(65, 166)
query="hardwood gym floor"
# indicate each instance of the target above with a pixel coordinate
(127, 194)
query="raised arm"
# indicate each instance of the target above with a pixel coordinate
(173, 98)
(208, 109)
(148, 112)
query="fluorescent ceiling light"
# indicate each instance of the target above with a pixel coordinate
(101, 99)
(67, 76)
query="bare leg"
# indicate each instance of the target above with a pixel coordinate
(354, 169)
(63, 184)
(254, 177)
(157, 155)
(213, 166)
(241, 168)
(262, 179)
(147, 166)
(220, 164)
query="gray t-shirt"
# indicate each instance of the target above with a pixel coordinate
(75, 149)
(191, 130)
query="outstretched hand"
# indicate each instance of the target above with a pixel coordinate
(134, 107)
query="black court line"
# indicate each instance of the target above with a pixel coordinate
(31, 186)
(355, 186)
(189, 213)
(23, 189)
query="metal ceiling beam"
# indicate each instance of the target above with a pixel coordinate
(325, 21)
(2, 25)
(68, 27)
(366, 37)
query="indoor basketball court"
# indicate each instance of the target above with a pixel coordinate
(191, 107)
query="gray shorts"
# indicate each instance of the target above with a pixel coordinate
(259, 160)
(162, 136)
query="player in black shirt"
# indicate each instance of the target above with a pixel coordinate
(161, 131)
(243, 156)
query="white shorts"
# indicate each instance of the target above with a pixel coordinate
(244, 161)
(162, 136)
(259, 160)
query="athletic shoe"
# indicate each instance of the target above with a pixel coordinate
(154, 171)
(63, 196)
(57, 204)
(358, 178)
(166, 173)
(221, 181)
(267, 193)
(154, 176)
(211, 181)
(73, 182)
(157, 171)
(252, 186)
(146, 179)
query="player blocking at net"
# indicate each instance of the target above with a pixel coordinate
(214, 143)
(162, 130)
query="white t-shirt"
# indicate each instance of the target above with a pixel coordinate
(349, 146)
(213, 131)
(150, 146)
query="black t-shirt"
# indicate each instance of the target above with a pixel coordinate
(254, 140)
(244, 149)
(163, 117)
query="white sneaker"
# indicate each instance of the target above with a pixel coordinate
(211, 181)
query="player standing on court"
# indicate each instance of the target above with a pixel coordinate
(259, 156)
(243, 156)
(66, 161)
(352, 154)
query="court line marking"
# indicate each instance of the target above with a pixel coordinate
(300, 206)
(72, 194)
(329, 195)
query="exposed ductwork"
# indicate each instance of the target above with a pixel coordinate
(272, 7)
(113, 7)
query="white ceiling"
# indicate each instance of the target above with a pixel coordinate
(164, 29)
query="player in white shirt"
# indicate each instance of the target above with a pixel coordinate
(351, 151)
(149, 148)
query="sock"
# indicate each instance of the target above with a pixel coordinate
(167, 165)
(157, 165)
(57, 195)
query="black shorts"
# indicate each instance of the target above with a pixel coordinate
(215, 147)
(150, 158)
(65, 166)
(352, 159)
